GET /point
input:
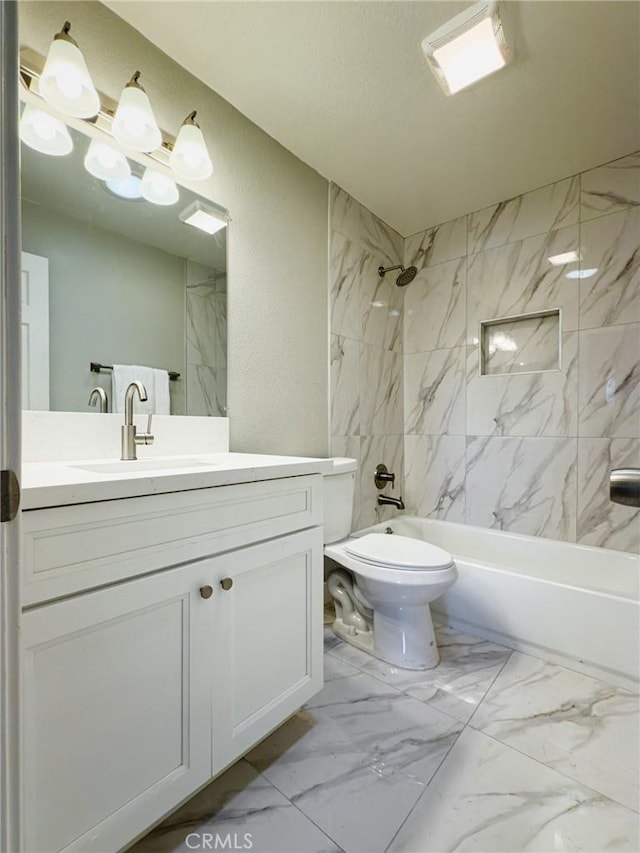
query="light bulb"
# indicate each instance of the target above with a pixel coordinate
(44, 133)
(158, 189)
(65, 82)
(134, 124)
(190, 157)
(104, 162)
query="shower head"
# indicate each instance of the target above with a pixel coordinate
(406, 275)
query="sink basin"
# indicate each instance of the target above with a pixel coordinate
(133, 466)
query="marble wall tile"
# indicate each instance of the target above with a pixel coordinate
(609, 188)
(389, 450)
(601, 522)
(434, 308)
(609, 382)
(347, 260)
(380, 391)
(345, 386)
(610, 245)
(523, 485)
(202, 325)
(204, 396)
(436, 245)
(351, 219)
(434, 392)
(525, 404)
(487, 796)
(537, 212)
(582, 727)
(381, 303)
(518, 279)
(221, 328)
(435, 476)
(344, 213)
(521, 345)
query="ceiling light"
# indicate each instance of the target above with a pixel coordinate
(134, 124)
(203, 217)
(44, 132)
(129, 188)
(587, 273)
(104, 162)
(467, 48)
(158, 189)
(65, 82)
(190, 158)
(564, 258)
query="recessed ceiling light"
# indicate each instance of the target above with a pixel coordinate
(564, 258)
(586, 273)
(467, 48)
(203, 217)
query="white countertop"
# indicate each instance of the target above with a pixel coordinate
(61, 483)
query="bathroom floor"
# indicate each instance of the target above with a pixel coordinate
(493, 750)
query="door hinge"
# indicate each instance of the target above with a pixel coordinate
(9, 495)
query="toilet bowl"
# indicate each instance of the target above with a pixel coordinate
(384, 583)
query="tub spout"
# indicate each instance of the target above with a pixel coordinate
(386, 500)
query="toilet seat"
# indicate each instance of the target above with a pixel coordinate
(398, 552)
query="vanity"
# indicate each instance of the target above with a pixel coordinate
(172, 619)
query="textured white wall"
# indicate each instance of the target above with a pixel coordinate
(278, 302)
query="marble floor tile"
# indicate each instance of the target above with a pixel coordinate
(582, 727)
(356, 759)
(467, 669)
(239, 807)
(330, 639)
(489, 798)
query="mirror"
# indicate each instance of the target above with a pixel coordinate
(111, 280)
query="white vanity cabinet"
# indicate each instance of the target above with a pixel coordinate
(137, 693)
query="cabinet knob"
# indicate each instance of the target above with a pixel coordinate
(206, 591)
(226, 583)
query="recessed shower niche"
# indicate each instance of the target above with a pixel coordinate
(525, 343)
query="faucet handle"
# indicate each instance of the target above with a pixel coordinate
(145, 437)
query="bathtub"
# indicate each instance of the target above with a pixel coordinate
(570, 604)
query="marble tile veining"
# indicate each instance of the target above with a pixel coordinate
(491, 799)
(345, 386)
(435, 476)
(582, 727)
(380, 391)
(346, 262)
(610, 188)
(523, 485)
(434, 308)
(373, 450)
(521, 344)
(437, 245)
(536, 212)
(434, 392)
(381, 304)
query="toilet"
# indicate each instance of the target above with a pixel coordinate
(383, 582)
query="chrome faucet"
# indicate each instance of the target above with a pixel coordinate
(99, 395)
(130, 436)
(386, 500)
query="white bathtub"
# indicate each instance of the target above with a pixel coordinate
(570, 604)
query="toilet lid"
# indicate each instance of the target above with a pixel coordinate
(398, 552)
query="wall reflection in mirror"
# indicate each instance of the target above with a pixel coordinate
(119, 272)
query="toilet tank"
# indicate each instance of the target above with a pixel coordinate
(339, 486)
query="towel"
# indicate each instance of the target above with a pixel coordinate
(123, 376)
(161, 392)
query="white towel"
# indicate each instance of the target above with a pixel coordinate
(123, 376)
(161, 392)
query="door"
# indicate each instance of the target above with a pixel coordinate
(267, 644)
(117, 709)
(35, 332)
(10, 421)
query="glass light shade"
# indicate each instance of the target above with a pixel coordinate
(44, 132)
(134, 124)
(104, 162)
(65, 82)
(128, 188)
(158, 189)
(190, 158)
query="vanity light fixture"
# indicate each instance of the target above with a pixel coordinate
(104, 162)
(203, 217)
(134, 124)
(129, 188)
(190, 157)
(468, 47)
(44, 132)
(158, 188)
(564, 258)
(65, 82)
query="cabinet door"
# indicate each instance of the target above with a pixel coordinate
(117, 710)
(267, 652)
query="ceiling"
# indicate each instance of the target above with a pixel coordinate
(345, 87)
